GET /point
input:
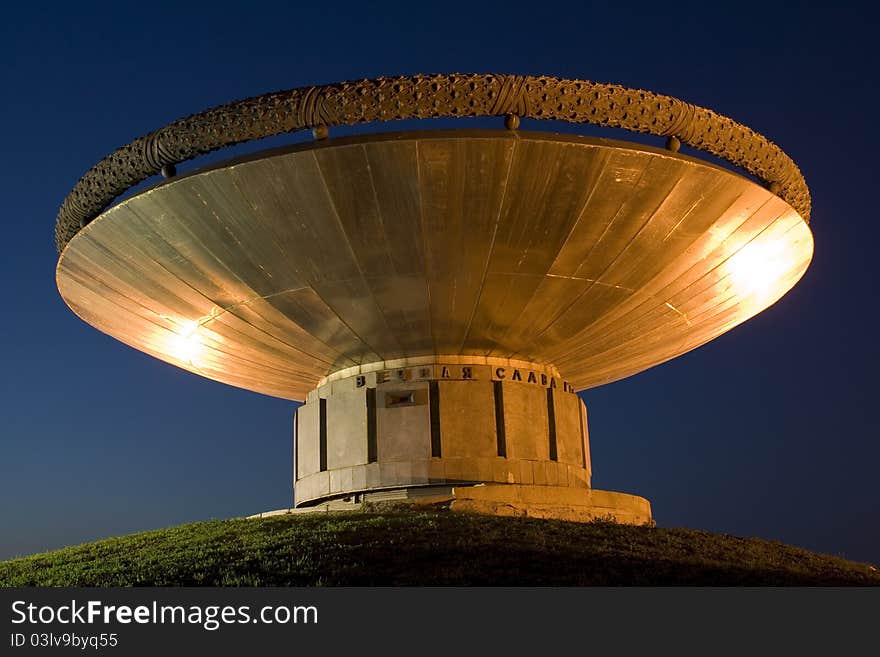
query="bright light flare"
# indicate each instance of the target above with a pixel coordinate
(186, 343)
(760, 268)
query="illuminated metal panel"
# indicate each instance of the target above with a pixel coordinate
(600, 258)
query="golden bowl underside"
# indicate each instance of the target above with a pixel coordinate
(601, 258)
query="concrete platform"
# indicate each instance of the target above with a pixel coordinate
(556, 502)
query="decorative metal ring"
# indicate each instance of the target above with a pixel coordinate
(429, 96)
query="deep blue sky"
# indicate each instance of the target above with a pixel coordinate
(771, 430)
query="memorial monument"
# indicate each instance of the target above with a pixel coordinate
(437, 298)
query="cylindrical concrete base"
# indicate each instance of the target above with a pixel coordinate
(439, 420)
(548, 502)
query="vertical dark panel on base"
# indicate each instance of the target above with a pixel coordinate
(372, 446)
(551, 421)
(295, 444)
(434, 400)
(583, 438)
(500, 436)
(295, 458)
(322, 434)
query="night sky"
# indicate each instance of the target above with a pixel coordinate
(771, 430)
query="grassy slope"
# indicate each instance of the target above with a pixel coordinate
(398, 546)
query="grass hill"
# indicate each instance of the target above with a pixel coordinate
(403, 546)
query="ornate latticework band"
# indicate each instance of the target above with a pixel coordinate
(429, 96)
